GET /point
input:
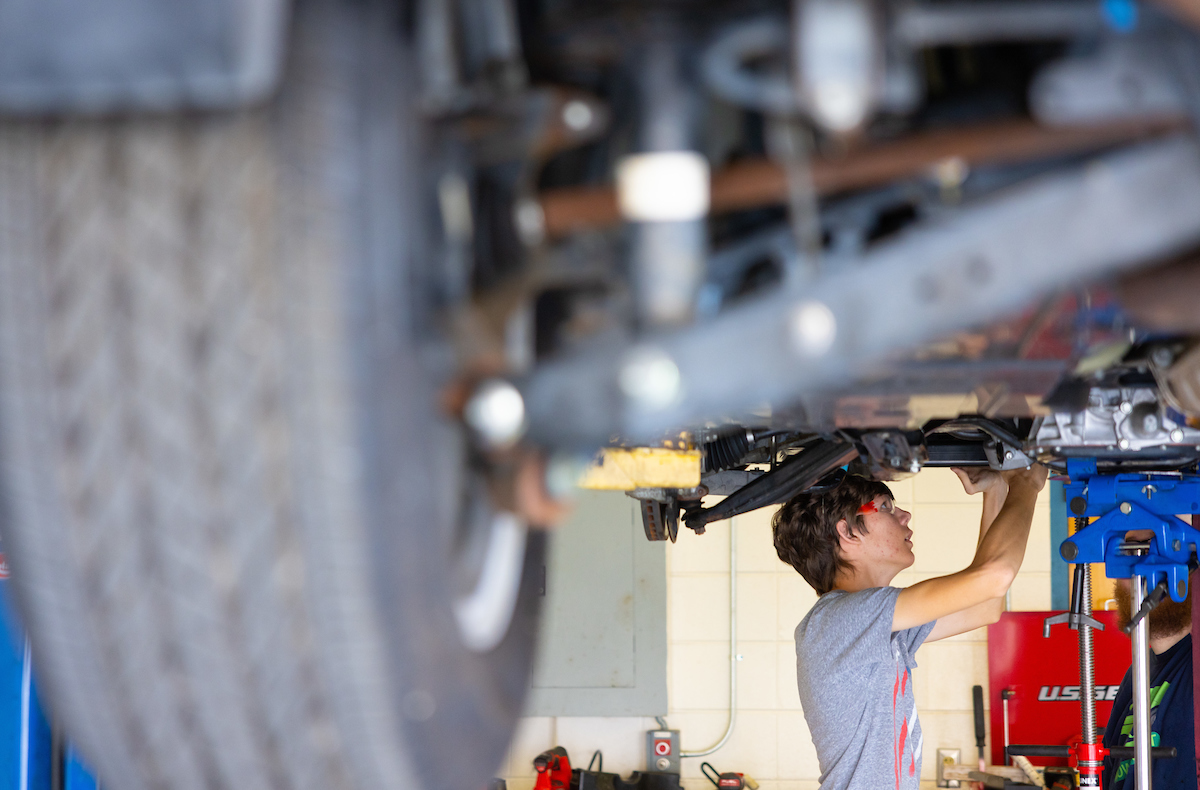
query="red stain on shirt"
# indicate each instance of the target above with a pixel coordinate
(898, 751)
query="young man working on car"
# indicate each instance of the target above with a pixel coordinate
(1171, 713)
(854, 649)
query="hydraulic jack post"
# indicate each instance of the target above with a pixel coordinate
(1120, 504)
(1088, 754)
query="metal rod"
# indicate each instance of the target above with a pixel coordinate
(1141, 688)
(26, 705)
(1089, 773)
(1087, 675)
(790, 144)
(1086, 665)
(761, 182)
(1004, 698)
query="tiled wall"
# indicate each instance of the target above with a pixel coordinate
(771, 740)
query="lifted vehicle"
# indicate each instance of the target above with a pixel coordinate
(301, 306)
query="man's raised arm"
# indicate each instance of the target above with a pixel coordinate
(972, 593)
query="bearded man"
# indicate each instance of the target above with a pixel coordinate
(1171, 722)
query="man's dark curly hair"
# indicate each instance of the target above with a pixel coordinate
(805, 528)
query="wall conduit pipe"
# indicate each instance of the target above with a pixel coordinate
(733, 656)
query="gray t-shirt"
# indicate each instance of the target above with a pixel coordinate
(855, 680)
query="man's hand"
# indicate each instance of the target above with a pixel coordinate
(977, 479)
(1033, 477)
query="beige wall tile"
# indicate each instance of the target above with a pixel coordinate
(620, 739)
(534, 735)
(944, 536)
(698, 730)
(938, 485)
(946, 672)
(1031, 592)
(902, 491)
(758, 676)
(707, 553)
(755, 542)
(796, 597)
(699, 609)
(757, 607)
(797, 755)
(699, 676)
(751, 749)
(946, 730)
(785, 684)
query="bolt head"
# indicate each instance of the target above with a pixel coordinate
(577, 115)
(1008, 455)
(1126, 407)
(1123, 444)
(1162, 356)
(813, 328)
(650, 378)
(1126, 508)
(663, 186)
(496, 412)
(1177, 435)
(530, 222)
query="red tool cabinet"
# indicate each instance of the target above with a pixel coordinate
(1042, 675)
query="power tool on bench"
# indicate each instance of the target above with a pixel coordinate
(553, 770)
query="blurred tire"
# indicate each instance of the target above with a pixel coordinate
(232, 515)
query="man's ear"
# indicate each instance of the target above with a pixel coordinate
(844, 533)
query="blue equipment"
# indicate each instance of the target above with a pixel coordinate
(1125, 502)
(31, 758)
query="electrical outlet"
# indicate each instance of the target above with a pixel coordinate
(947, 757)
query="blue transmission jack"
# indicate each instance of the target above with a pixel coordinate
(1124, 502)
